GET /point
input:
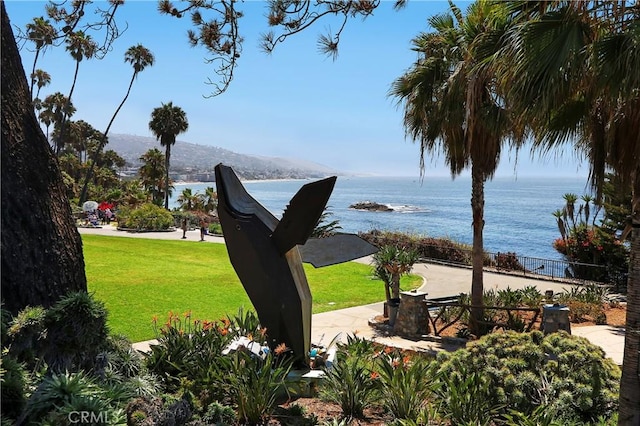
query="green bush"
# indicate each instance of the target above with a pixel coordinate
(253, 384)
(76, 333)
(350, 382)
(60, 394)
(426, 247)
(147, 217)
(13, 386)
(25, 333)
(525, 370)
(403, 384)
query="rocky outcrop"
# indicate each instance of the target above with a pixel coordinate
(371, 206)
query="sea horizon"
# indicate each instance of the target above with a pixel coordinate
(518, 211)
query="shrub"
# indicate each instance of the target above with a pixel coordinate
(25, 332)
(403, 384)
(465, 398)
(147, 217)
(350, 382)
(59, 390)
(76, 333)
(218, 414)
(426, 247)
(253, 384)
(14, 382)
(525, 370)
(188, 350)
(508, 261)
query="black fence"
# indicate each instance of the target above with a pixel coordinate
(572, 272)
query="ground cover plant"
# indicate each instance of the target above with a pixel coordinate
(139, 279)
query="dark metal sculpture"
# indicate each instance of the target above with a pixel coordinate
(264, 253)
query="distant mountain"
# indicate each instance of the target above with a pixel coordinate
(195, 162)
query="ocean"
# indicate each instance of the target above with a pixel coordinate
(518, 211)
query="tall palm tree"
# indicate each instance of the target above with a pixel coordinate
(451, 106)
(41, 79)
(79, 46)
(210, 200)
(188, 200)
(572, 72)
(139, 57)
(42, 34)
(55, 108)
(167, 122)
(152, 173)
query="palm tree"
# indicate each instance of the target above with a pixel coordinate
(166, 123)
(572, 73)
(139, 57)
(210, 200)
(188, 200)
(42, 33)
(79, 46)
(152, 173)
(55, 108)
(42, 79)
(451, 106)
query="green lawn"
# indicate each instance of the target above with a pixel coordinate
(138, 279)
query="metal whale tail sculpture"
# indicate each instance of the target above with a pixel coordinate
(264, 252)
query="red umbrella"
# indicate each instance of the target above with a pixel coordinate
(104, 205)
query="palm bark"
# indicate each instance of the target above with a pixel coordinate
(629, 410)
(477, 253)
(103, 142)
(167, 184)
(42, 256)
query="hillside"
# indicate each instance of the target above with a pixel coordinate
(195, 162)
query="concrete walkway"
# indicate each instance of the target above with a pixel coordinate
(440, 281)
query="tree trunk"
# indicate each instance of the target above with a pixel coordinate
(477, 254)
(42, 256)
(166, 176)
(630, 383)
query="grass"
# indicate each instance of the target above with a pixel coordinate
(139, 279)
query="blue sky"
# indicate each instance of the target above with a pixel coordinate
(295, 102)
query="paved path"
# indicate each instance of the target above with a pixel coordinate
(440, 281)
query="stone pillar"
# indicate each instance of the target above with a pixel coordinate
(554, 318)
(413, 316)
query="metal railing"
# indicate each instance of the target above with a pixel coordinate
(531, 267)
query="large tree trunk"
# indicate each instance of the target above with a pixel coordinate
(477, 254)
(630, 384)
(41, 248)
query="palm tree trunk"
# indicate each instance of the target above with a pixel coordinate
(477, 254)
(33, 71)
(100, 147)
(64, 113)
(166, 176)
(629, 413)
(395, 280)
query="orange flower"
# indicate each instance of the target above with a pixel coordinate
(374, 375)
(263, 331)
(388, 349)
(154, 319)
(187, 314)
(280, 349)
